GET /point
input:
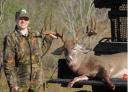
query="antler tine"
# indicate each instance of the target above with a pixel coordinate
(77, 32)
(44, 25)
(50, 21)
(60, 35)
(92, 27)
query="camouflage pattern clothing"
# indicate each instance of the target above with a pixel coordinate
(1, 62)
(22, 59)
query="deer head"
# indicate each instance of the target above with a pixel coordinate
(71, 48)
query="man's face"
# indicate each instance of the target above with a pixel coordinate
(22, 22)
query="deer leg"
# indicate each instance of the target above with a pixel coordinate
(107, 79)
(76, 79)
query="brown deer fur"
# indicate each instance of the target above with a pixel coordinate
(87, 65)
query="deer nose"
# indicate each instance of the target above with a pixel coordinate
(69, 58)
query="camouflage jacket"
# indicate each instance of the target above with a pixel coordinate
(21, 54)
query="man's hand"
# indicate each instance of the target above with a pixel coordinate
(15, 89)
(51, 34)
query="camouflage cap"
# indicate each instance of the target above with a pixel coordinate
(21, 13)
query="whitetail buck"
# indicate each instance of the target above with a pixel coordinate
(87, 65)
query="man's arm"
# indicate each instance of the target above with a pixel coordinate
(46, 44)
(9, 61)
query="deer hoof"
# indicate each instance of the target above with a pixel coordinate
(70, 84)
(114, 87)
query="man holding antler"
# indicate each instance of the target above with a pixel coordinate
(23, 50)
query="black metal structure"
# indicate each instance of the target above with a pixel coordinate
(121, 85)
(118, 17)
(106, 46)
(108, 3)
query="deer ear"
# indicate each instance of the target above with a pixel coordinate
(58, 51)
(83, 49)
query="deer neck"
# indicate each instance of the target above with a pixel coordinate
(74, 66)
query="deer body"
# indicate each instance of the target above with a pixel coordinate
(87, 65)
(112, 63)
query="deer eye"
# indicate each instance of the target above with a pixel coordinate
(73, 48)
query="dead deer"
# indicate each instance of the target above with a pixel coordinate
(86, 65)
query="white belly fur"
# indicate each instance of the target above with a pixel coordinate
(120, 73)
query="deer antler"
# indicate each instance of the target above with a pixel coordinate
(44, 29)
(92, 29)
(54, 33)
(61, 36)
(77, 31)
(44, 25)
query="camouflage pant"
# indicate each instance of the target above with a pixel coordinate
(30, 89)
(24, 83)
